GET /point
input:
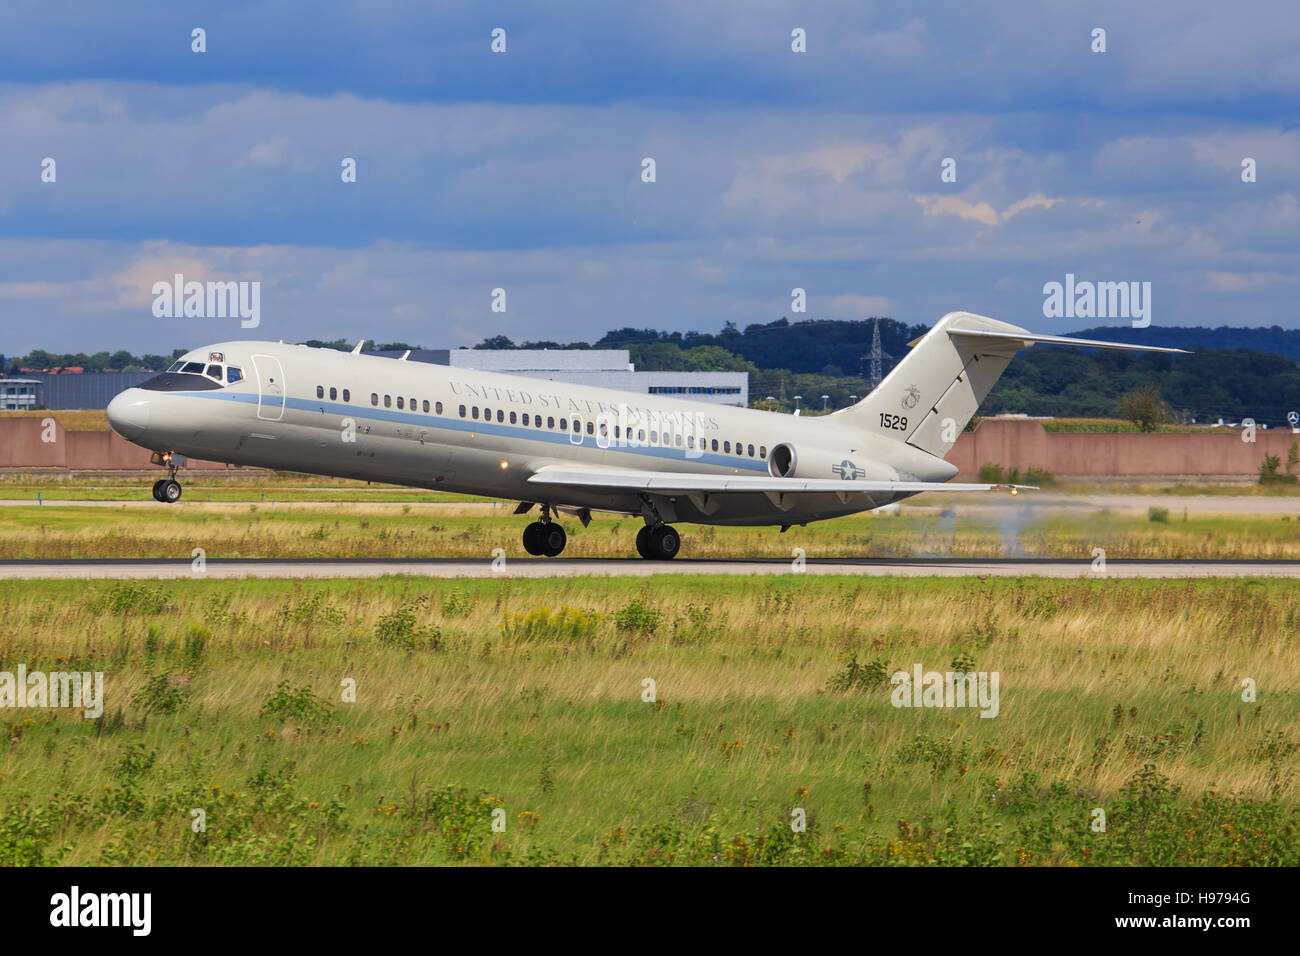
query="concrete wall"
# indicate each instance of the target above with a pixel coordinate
(1013, 444)
(1026, 444)
(21, 446)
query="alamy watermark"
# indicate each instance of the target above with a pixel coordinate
(209, 300)
(1098, 300)
(56, 689)
(946, 689)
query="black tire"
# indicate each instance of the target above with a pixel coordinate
(643, 543)
(157, 489)
(533, 539)
(171, 491)
(665, 542)
(553, 539)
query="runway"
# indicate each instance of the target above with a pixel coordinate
(1036, 504)
(634, 567)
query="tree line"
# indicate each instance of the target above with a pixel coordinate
(1234, 373)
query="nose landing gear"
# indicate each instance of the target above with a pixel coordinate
(545, 537)
(167, 490)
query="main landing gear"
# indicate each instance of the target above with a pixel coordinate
(545, 537)
(659, 542)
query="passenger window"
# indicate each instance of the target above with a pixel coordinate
(690, 441)
(715, 444)
(654, 437)
(347, 396)
(677, 440)
(462, 411)
(487, 414)
(334, 393)
(751, 451)
(438, 408)
(550, 422)
(564, 424)
(425, 405)
(762, 451)
(524, 419)
(374, 398)
(320, 391)
(591, 428)
(640, 434)
(234, 375)
(726, 447)
(388, 401)
(501, 416)
(475, 411)
(414, 405)
(512, 418)
(399, 401)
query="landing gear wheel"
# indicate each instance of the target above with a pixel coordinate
(552, 539)
(663, 543)
(643, 543)
(157, 489)
(171, 491)
(533, 538)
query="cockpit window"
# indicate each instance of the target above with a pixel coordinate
(214, 371)
(234, 375)
(176, 366)
(195, 367)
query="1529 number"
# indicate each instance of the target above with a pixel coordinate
(898, 422)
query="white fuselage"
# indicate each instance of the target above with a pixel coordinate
(326, 412)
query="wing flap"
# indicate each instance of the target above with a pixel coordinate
(669, 482)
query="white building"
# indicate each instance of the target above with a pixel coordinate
(604, 368)
(17, 394)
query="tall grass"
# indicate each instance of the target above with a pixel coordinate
(527, 701)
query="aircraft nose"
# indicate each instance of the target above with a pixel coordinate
(128, 413)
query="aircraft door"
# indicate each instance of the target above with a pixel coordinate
(270, 387)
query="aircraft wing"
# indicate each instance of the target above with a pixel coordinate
(670, 482)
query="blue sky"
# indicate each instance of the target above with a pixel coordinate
(775, 170)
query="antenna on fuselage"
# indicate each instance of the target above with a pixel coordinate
(357, 350)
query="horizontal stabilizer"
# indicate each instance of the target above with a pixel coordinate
(1028, 338)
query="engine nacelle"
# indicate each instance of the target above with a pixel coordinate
(789, 461)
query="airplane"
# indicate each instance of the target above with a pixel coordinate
(574, 449)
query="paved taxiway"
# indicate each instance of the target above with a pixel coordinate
(573, 567)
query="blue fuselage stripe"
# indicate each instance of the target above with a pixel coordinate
(478, 427)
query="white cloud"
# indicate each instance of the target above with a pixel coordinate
(935, 205)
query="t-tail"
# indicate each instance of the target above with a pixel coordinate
(930, 396)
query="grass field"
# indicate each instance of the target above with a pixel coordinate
(474, 529)
(235, 485)
(771, 699)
